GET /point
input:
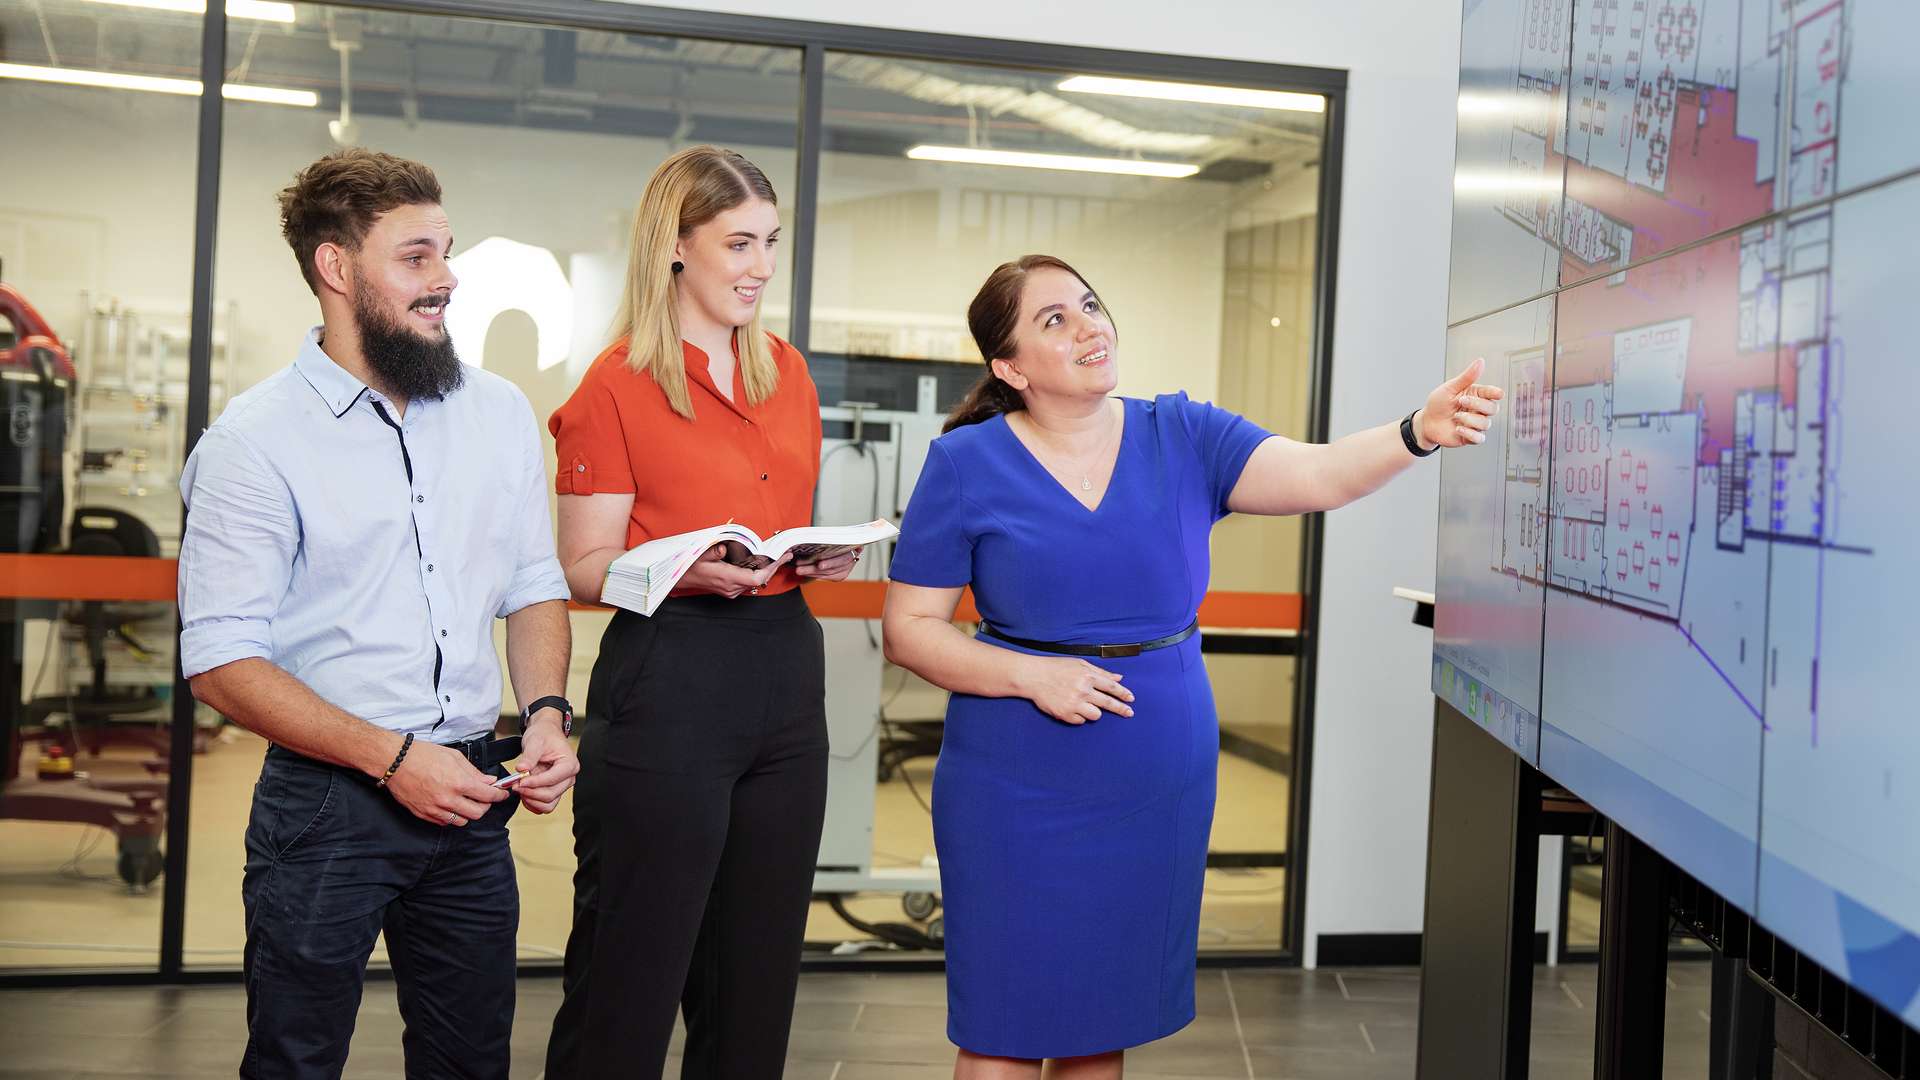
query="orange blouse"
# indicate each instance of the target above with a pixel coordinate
(754, 464)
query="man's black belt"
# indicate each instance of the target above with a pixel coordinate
(1104, 651)
(485, 751)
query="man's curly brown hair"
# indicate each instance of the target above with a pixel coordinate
(335, 200)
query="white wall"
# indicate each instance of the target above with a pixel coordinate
(1371, 753)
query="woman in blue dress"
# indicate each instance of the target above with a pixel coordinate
(1075, 788)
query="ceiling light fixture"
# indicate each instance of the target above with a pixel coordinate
(1197, 93)
(263, 10)
(116, 80)
(968, 155)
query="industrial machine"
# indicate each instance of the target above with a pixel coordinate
(37, 380)
(870, 460)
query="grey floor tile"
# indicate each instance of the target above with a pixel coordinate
(1271, 1063)
(870, 1047)
(59, 1020)
(1333, 1024)
(858, 988)
(904, 1019)
(89, 1074)
(113, 1055)
(1307, 1035)
(807, 1070)
(903, 989)
(1390, 1038)
(205, 1057)
(1211, 996)
(1298, 1025)
(1383, 986)
(828, 1015)
(858, 1070)
(1295, 983)
(1143, 1075)
(1212, 1050)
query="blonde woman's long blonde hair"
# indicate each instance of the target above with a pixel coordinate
(688, 190)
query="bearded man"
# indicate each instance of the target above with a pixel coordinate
(355, 524)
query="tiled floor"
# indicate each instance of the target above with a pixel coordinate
(65, 906)
(1268, 1024)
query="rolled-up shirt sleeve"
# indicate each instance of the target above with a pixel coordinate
(236, 553)
(537, 576)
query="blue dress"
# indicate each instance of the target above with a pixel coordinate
(1072, 857)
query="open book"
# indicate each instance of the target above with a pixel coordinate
(641, 579)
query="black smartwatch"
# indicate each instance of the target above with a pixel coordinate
(551, 701)
(1413, 442)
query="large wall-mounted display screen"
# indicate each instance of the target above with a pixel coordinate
(1507, 165)
(1655, 650)
(1493, 515)
(1688, 562)
(1840, 806)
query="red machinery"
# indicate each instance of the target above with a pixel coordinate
(36, 382)
(37, 378)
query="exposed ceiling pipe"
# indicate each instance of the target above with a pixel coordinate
(1082, 123)
(345, 34)
(1252, 139)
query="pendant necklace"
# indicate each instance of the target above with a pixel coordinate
(1086, 478)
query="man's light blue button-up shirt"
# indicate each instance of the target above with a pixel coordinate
(368, 555)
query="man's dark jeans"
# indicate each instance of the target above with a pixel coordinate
(331, 862)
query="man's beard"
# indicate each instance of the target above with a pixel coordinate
(408, 365)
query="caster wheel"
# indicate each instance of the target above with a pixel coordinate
(919, 905)
(140, 861)
(937, 929)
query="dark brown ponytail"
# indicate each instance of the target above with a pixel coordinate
(992, 317)
(987, 399)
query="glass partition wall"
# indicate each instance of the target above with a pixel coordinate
(146, 283)
(1197, 222)
(96, 261)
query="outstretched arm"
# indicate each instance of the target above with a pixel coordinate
(1288, 477)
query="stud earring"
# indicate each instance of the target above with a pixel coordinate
(678, 266)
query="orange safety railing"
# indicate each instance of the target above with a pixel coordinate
(85, 577)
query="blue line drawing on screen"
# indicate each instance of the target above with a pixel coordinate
(1630, 489)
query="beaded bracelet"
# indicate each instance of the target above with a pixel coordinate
(395, 767)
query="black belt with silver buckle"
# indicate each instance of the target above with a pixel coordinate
(485, 751)
(1103, 651)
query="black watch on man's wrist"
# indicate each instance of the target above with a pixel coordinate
(551, 701)
(1413, 441)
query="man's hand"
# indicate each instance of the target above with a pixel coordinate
(549, 761)
(440, 785)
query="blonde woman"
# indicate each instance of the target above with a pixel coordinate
(704, 756)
